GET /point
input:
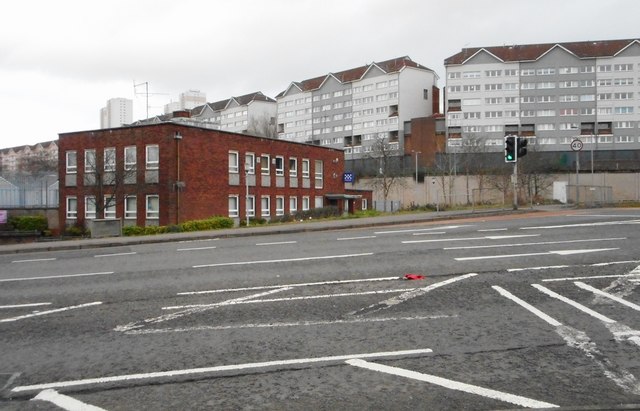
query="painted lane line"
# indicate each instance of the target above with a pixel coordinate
(492, 229)
(33, 260)
(451, 384)
(536, 243)
(527, 306)
(114, 254)
(48, 277)
(195, 310)
(487, 237)
(196, 248)
(548, 267)
(364, 237)
(607, 295)
(580, 225)
(288, 299)
(383, 305)
(23, 305)
(588, 278)
(57, 310)
(199, 241)
(447, 227)
(284, 325)
(615, 263)
(430, 233)
(223, 368)
(581, 341)
(572, 303)
(278, 243)
(65, 402)
(559, 252)
(326, 257)
(269, 287)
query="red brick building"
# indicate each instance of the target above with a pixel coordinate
(169, 173)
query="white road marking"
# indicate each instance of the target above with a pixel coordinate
(114, 254)
(430, 233)
(33, 260)
(288, 299)
(269, 287)
(587, 278)
(492, 229)
(283, 325)
(383, 305)
(614, 263)
(548, 267)
(580, 340)
(364, 237)
(197, 248)
(221, 368)
(278, 243)
(607, 295)
(23, 305)
(421, 229)
(488, 237)
(199, 241)
(581, 225)
(326, 257)
(452, 385)
(470, 247)
(574, 304)
(559, 252)
(57, 310)
(195, 310)
(65, 402)
(48, 277)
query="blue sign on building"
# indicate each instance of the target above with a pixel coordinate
(348, 177)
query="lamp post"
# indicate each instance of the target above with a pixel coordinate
(416, 153)
(246, 186)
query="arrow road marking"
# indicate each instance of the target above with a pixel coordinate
(65, 402)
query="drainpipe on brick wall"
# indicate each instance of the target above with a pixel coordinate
(177, 136)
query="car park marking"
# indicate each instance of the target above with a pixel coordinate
(32, 260)
(57, 310)
(451, 384)
(286, 260)
(335, 359)
(49, 277)
(64, 401)
(607, 295)
(283, 325)
(23, 305)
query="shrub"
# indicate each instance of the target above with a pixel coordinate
(29, 223)
(76, 230)
(212, 223)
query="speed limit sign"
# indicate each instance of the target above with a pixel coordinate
(576, 145)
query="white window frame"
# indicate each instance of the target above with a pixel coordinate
(90, 207)
(305, 168)
(250, 204)
(234, 202)
(129, 165)
(293, 205)
(293, 167)
(279, 165)
(71, 162)
(279, 205)
(150, 163)
(364, 204)
(72, 212)
(250, 163)
(305, 203)
(152, 214)
(318, 202)
(109, 159)
(265, 159)
(265, 201)
(89, 156)
(109, 212)
(319, 173)
(234, 162)
(128, 213)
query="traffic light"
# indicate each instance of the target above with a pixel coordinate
(510, 150)
(522, 147)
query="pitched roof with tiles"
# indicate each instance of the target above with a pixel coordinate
(532, 52)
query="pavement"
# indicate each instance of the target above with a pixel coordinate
(296, 227)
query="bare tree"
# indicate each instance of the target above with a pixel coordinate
(38, 165)
(105, 180)
(263, 126)
(445, 168)
(389, 161)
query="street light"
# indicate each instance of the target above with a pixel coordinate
(416, 153)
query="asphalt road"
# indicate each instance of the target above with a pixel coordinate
(527, 311)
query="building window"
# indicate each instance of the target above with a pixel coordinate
(265, 206)
(265, 164)
(130, 158)
(319, 202)
(233, 206)
(250, 163)
(233, 161)
(89, 161)
(425, 94)
(279, 165)
(90, 207)
(153, 207)
(72, 162)
(364, 204)
(251, 206)
(293, 167)
(293, 205)
(110, 206)
(305, 168)
(279, 205)
(130, 207)
(153, 157)
(305, 203)
(110, 159)
(72, 208)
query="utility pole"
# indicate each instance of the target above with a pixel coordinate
(146, 92)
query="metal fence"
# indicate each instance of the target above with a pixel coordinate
(29, 196)
(590, 195)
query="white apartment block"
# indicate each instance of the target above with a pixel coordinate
(13, 159)
(352, 109)
(549, 93)
(117, 112)
(187, 100)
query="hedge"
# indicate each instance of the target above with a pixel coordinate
(212, 223)
(29, 223)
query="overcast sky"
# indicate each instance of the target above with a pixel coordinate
(60, 61)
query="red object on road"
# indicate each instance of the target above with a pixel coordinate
(414, 277)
